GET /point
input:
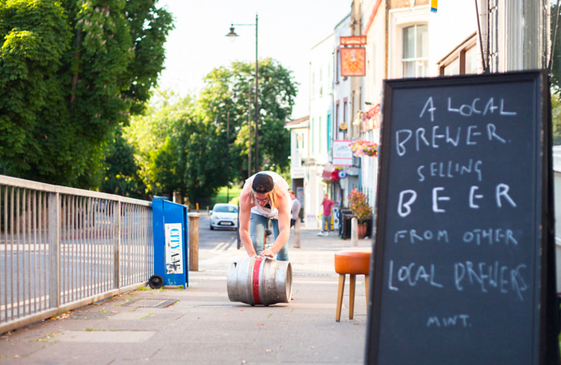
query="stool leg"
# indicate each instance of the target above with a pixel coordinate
(352, 286)
(340, 296)
(367, 285)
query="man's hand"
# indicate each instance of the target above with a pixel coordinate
(268, 253)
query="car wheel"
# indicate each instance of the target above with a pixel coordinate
(211, 228)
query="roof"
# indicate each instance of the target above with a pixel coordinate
(297, 121)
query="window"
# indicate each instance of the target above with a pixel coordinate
(320, 84)
(313, 84)
(327, 131)
(337, 67)
(345, 112)
(415, 51)
(320, 131)
(464, 59)
(472, 63)
(453, 68)
(313, 133)
(337, 119)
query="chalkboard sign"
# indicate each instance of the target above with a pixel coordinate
(463, 249)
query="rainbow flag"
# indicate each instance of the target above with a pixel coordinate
(433, 5)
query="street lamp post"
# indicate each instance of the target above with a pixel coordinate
(228, 158)
(249, 132)
(233, 35)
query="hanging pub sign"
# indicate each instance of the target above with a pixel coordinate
(353, 61)
(464, 261)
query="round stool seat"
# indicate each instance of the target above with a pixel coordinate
(353, 262)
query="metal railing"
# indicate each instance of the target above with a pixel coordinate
(63, 248)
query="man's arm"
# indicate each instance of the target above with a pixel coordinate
(245, 215)
(284, 204)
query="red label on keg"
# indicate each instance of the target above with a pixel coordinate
(255, 279)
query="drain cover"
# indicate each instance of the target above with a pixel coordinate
(150, 303)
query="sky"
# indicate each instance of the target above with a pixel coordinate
(287, 30)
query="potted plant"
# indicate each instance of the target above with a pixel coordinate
(361, 148)
(358, 204)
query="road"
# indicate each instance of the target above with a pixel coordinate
(217, 239)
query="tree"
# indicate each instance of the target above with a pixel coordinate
(102, 58)
(155, 138)
(121, 172)
(182, 144)
(556, 55)
(230, 90)
(35, 36)
(556, 119)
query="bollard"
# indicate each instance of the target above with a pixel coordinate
(297, 234)
(354, 231)
(194, 241)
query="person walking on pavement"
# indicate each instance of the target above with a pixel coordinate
(265, 197)
(326, 217)
(295, 210)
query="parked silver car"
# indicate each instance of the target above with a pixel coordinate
(224, 216)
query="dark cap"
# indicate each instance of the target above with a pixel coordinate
(262, 183)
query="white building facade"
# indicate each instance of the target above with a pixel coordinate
(405, 39)
(320, 124)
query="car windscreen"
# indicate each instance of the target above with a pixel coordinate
(225, 209)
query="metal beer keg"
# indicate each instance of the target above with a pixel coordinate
(260, 280)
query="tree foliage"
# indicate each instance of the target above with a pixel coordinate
(35, 36)
(556, 119)
(232, 90)
(555, 75)
(556, 56)
(120, 169)
(72, 71)
(183, 146)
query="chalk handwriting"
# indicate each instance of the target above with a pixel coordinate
(494, 276)
(408, 197)
(410, 275)
(452, 136)
(457, 320)
(467, 110)
(413, 236)
(429, 106)
(477, 106)
(490, 236)
(479, 236)
(450, 169)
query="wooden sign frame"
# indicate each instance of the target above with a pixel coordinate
(464, 265)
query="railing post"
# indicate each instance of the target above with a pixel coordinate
(194, 241)
(116, 246)
(54, 250)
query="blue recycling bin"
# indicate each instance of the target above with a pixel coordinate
(171, 244)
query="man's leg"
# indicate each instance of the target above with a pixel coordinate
(282, 255)
(257, 225)
(323, 223)
(329, 223)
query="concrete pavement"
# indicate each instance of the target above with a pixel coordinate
(199, 325)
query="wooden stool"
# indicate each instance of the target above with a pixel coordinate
(353, 263)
